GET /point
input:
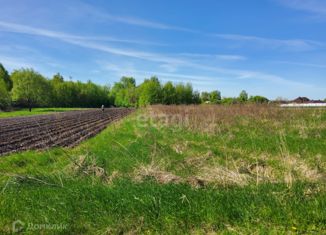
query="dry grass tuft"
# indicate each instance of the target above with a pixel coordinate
(199, 160)
(222, 176)
(298, 169)
(88, 166)
(154, 171)
(180, 148)
(113, 176)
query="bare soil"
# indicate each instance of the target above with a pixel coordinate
(62, 129)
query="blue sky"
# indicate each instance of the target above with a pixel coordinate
(267, 47)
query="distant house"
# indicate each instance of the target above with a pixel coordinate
(301, 100)
(304, 102)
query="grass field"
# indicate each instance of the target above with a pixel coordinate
(35, 111)
(175, 170)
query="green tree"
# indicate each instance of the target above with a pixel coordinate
(5, 99)
(150, 92)
(188, 94)
(196, 97)
(168, 94)
(4, 76)
(91, 95)
(57, 78)
(215, 97)
(30, 88)
(68, 94)
(205, 97)
(56, 97)
(128, 82)
(243, 97)
(184, 93)
(124, 92)
(179, 92)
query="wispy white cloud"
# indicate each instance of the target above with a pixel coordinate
(249, 74)
(226, 57)
(144, 23)
(163, 60)
(313, 6)
(219, 75)
(100, 14)
(287, 44)
(321, 66)
(18, 28)
(130, 70)
(271, 43)
(84, 42)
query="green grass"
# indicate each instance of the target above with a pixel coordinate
(35, 111)
(170, 209)
(47, 187)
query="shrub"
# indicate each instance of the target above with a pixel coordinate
(258, 99)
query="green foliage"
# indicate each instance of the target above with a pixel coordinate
(168, 94)
(78, 94)
(258, 99)
(30, 88)
(215, 97)
(92, 95)
(5, 99)
(229, 100)
(57, 78)
(150, 92)
(196, 97)
(57, 92)
(205, 97)
(4, 76)
(184, 93)
(243, 96)
(124, 92)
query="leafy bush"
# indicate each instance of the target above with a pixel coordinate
(258, 99)
(229, 100)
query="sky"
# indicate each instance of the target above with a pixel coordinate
(274, 48)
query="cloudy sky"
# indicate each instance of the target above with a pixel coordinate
(267, 47)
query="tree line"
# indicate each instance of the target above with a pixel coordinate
(28, 88)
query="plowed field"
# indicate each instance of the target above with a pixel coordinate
(63, 129)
